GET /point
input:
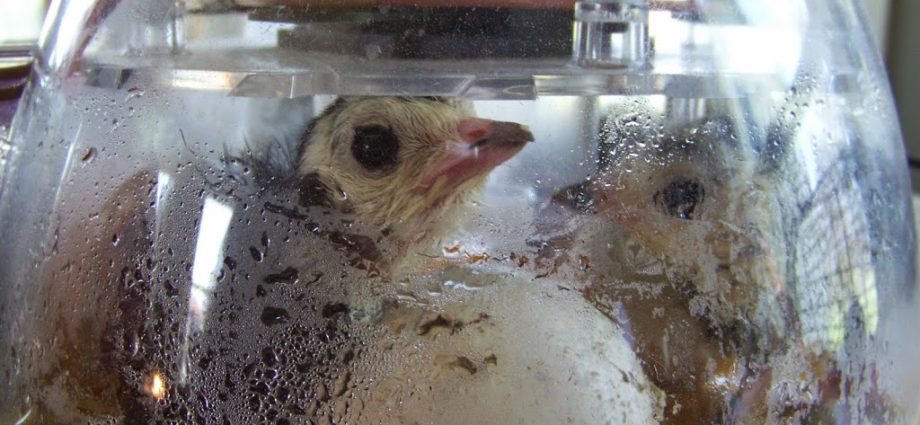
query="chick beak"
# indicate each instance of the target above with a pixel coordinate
(481, 145)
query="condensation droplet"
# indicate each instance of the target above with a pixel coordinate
(273, 316)
(289, 275)
(88, 155)
(256, 254)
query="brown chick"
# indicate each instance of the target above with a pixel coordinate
(404, 165)
(678, 232)
(741, 284)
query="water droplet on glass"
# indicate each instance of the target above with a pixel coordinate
(265, 240)
(289, 275)
(133, 93)
(256, 254)
(88, 155)
(273, 316)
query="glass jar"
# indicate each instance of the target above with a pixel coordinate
(259, 211)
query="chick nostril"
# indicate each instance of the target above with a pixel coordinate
(478, 134)
(473, 130)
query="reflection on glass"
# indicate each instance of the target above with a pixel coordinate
(156, 386)
(212, 232)
(215, 219)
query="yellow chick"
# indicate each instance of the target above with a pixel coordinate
(405, 165)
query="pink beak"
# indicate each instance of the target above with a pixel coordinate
(483, 145)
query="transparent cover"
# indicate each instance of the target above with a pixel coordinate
(403, 212)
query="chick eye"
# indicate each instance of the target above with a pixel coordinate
(375, 147)
(680, 198)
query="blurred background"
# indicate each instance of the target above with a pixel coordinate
(891, 22)
(20, 20)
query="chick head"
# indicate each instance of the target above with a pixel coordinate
(401, 162)
(685, 190)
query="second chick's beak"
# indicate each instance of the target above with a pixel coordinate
(481, 145)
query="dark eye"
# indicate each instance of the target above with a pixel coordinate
(375, 147)
(680, 198)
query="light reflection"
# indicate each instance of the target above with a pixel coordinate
(70, 26)
(24, 418)
(156, 386)
(215, 220)
(164, 186)
(203, 80)
(768, 42)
